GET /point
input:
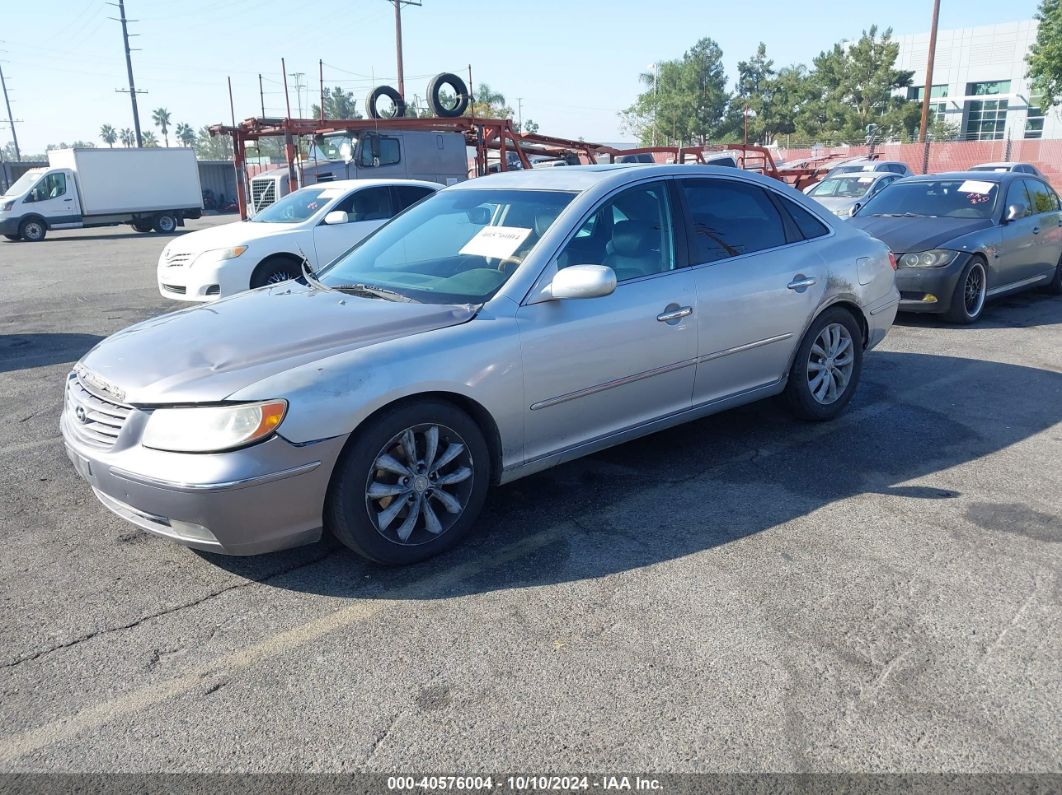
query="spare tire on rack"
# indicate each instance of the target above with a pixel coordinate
(391, 94)
(438, 105)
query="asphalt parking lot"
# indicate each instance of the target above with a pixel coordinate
(745, 593)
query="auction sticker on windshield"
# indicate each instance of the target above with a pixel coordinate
(496, 241)
(976, 186)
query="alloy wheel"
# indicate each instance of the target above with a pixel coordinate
(830, 363)
(974, 290)
(420, 484)
(276, 277)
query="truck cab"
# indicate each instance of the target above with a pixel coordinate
(393, 154)
(40, 199)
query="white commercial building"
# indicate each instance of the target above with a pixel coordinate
(979, 81)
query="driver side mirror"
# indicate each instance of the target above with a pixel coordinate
(582, 281)
(855, 208)
(336, 217)
(1015, 212)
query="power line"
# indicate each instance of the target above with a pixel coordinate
(10, 117)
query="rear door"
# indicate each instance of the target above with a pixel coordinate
(759, 280)
(1048, 228)
(366, 209)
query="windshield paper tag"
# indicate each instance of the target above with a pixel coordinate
(976, 186)
(330, 193)
(865, 180)
(497, 242)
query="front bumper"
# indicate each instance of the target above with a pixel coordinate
(929, 290)
(259, 499)
(202, 281)
(9, 226)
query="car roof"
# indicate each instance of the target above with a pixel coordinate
(583, 178)
(351, 184)
(983, 176)
(1001, 164)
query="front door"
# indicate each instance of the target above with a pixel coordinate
(54, 198)
(1018, 244)
(366, 209)
(759, 279)
(596, 366)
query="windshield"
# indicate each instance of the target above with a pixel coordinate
(297, 206)
(998, 169)
(336, 146)
(842, 187)
(848, 169)
(455, 247)
(940, 198)
(22, 184)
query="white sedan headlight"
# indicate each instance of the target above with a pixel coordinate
(213, 429)
(934, 258)
(221, 254)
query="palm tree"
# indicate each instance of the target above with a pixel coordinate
(149, 139)
(185, 134)
(161, 117)
(109, 135)
(127, 137)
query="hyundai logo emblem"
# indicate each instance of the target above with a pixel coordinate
(82, 417)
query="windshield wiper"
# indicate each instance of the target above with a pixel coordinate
(374, 292)
(905, 215)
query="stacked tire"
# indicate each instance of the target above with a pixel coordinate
(442, 103)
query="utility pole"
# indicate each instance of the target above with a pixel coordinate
(10, 118)
(923, 129)
(398, 40)
(129, 69)
(520, 113)
(298, 76)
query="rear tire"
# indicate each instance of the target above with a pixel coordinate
(971, 293)
(437, 503)
(141, 226)
(275, 270)
(165, 224)
(32, 230)
(826, 368)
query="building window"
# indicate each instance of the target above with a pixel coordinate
(1034, 121)
(938, 92)
(986, 88)
(986, 120)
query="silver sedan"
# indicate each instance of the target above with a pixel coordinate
(499, 327)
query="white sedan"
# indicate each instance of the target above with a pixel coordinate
(317, 223)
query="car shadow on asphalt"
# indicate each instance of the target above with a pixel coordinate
(25, 351)
(1021, 310)
(715, 481)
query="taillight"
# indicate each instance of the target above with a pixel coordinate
(892, 260)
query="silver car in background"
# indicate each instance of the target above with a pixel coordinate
(501, 326)
(844, 194)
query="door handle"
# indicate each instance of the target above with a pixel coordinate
(673, 313)
(68, 200)
(1036, 230)
(801, 282)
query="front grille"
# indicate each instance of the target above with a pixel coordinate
(180, 289)
(263, 193)
(95, 420)
(178, 259)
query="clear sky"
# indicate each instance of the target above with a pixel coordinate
(575, 64)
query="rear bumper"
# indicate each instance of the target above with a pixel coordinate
(244, 502)
(929, 290)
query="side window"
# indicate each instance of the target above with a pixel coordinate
(51, 187)
(389, 152)
(1017, 194)
(730, 218)
(406, 195)
(1043, 198)
(372, 204)
(810, 227)
(630, 233)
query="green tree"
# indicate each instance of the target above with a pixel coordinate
(770, 97)
(528, 126)
(852, 86)
(338, 104)
(210, 147)
(127, 137)
(185, 134)
(149, 139)
(161, 117)
(489, 104)
(109, 135)
(1045, 57)
(685, 101)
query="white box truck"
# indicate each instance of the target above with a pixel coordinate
(145, 188)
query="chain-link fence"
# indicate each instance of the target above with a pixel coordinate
(935, 156)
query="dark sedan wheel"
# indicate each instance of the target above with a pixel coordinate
(1055, 285)
(971, 292)
(409, 485)
(827, 366)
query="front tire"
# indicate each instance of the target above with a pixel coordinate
(410, 484)
(826, 368)
(971, 292)
(274, 271)
(32, 230)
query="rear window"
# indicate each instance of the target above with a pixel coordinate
(809, 226)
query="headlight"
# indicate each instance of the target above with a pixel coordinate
(935, 258)
(7, 206)
(213, 429)
(221, 254)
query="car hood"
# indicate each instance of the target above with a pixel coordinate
(208, 352)
(226, 235)
(917, 234)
